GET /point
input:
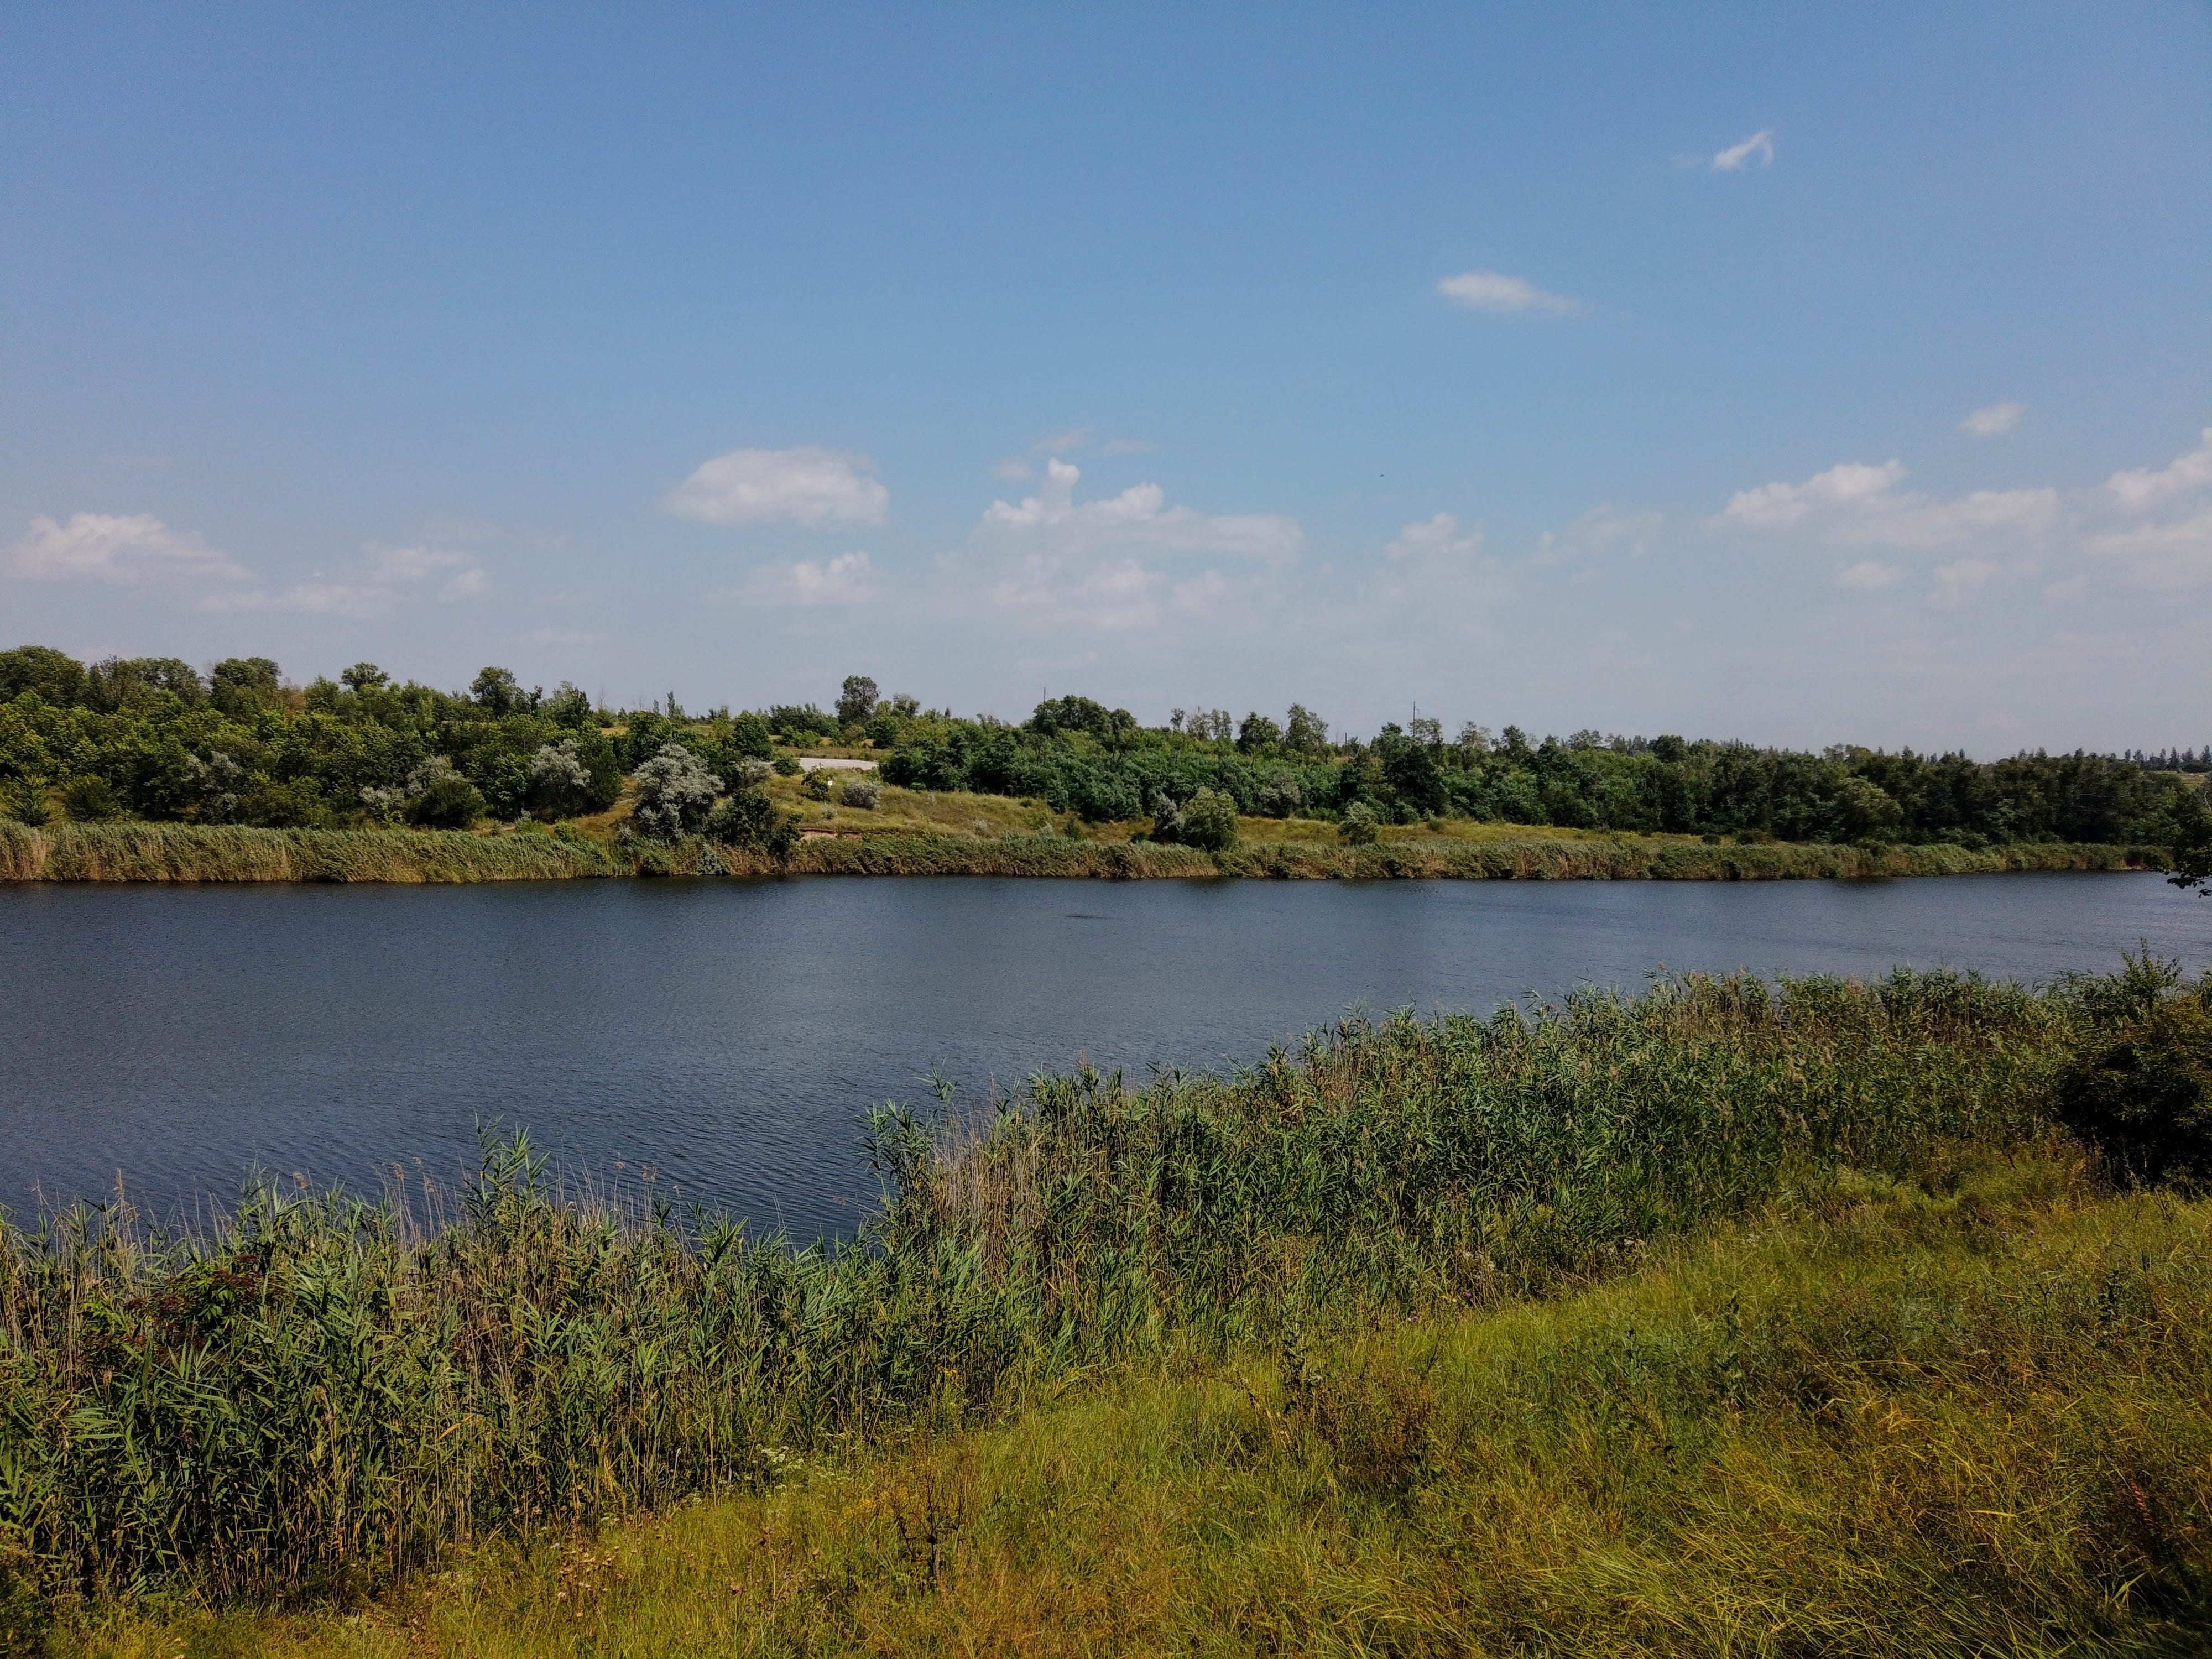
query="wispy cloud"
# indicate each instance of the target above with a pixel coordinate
(115, 548)
(1869, 576)
(848, 579)
(806, 486)
(1994, 421)
(1494, 291)
(1111, 563)
(1859, 505)
(389, 578)
(1735, 157)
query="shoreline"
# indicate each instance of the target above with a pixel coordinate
(175, 853)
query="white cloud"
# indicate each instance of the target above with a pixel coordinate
(1439, 568)
(1761, 143)
(2142, 490)
(1437, 539)
(1961, 579)
(1994, 421)
(1138, 517)
(1599, 531)
(1490, 290)
(1051, 560)
(848, 579)
(117, 548)
(2149, 528)
(807, 486)
(1868, 575)
(392, 577)
(1858, 505)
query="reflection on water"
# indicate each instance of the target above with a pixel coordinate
(730, 1033)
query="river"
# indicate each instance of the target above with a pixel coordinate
(727, 1036)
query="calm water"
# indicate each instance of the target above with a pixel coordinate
(729, 1034)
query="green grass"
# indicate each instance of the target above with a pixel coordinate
(1968, 1413)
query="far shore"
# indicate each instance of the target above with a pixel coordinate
(168, 853)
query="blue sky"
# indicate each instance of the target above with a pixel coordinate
(1795, 374)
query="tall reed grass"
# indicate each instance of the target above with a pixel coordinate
(179, 852)
(196, 853)
(321, 1392)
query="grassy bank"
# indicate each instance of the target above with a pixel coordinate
(192, 853)
(1966, 1413)
(324, 1393)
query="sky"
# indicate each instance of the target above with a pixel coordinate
(1795, 374)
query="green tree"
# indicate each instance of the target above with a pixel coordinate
(1257, 734)
(57, 679)
(675, 794)
(498, 693)
(1209, 821)
(1305, 732)
(857, 701)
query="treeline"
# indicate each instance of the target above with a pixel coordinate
(1082, 757)
(154, 738)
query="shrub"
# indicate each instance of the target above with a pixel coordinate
(26, 802)
(749, 819)
(818, 784)
(560, 782)
(675, 794)
(2142, 1094)
(749, 774)
(862, 791)
(447, 800)
(90, 800)
(1356, 827)
(1209, 821)
(786, 766)
(1279, 796)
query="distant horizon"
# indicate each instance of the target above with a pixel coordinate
(1804, 377)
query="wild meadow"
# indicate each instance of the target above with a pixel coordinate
(325, 1397)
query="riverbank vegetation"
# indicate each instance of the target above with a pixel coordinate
(1657, 1318)
(155, 740)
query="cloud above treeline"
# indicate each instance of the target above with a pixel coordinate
(2148, 528)
(115, 547)
(805, 486)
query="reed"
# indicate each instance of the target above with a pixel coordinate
(322, 1392)
(178, 851)
(197, 853)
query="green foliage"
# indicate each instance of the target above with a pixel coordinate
(446, 800)
(44, 672)
(1209, 821)
(749, 821)
(1356, 827)
(2192, 850)
(2141, 1089)
(675, 794)
(817, 786)
(856, 700)
(89, 800)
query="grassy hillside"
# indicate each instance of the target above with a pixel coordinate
(1965, 1412)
